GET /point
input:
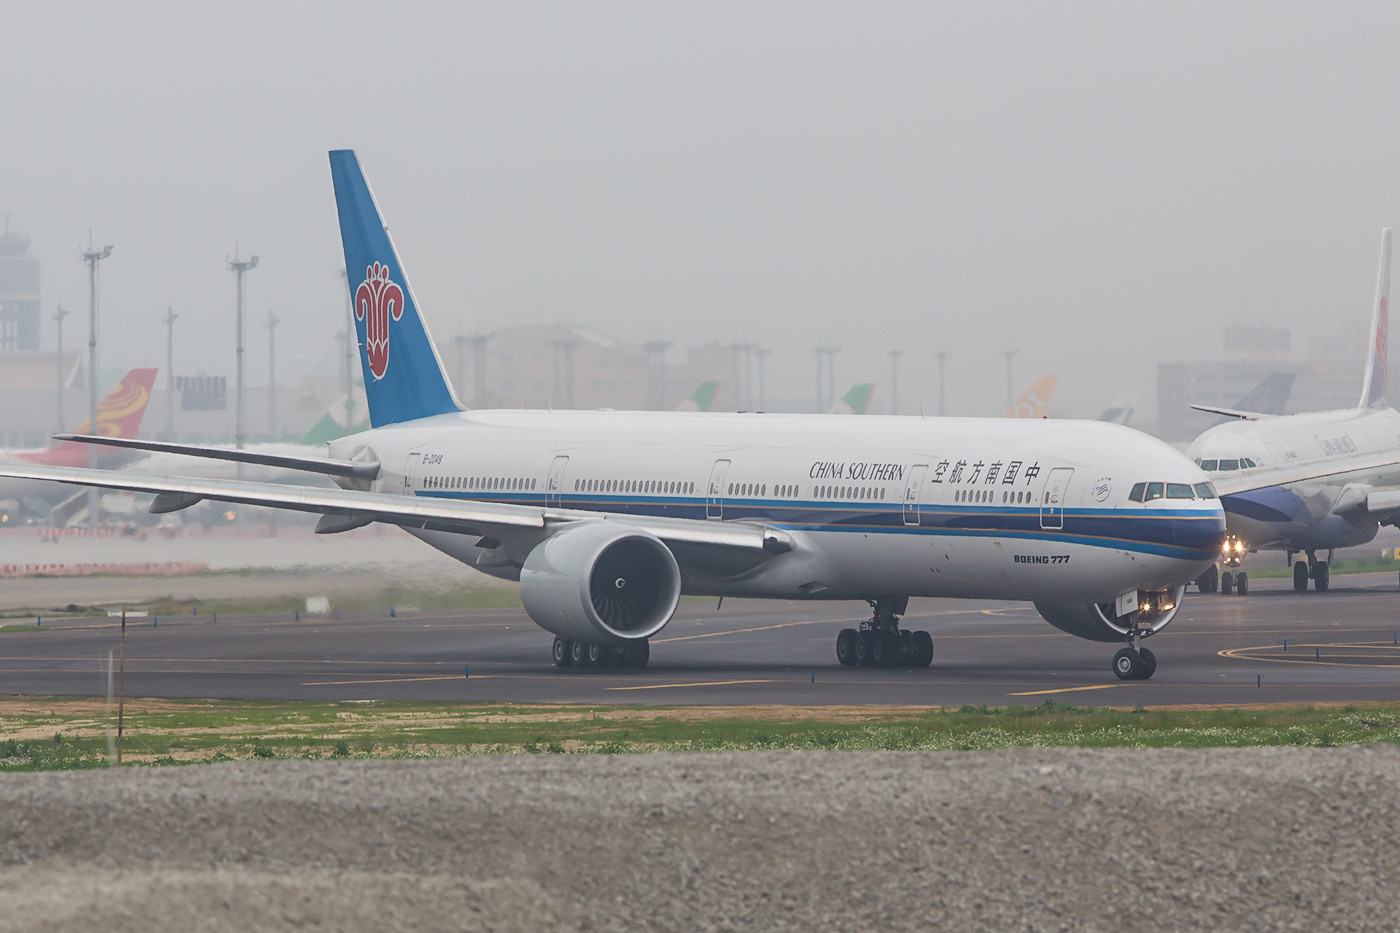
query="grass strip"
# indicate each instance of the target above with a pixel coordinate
(40, 734)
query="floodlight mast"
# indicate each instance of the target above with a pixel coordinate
(240, 267)
(92, 257)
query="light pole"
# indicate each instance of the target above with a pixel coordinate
(894, 380)
(272, 374)
(829, 352)
(58, 317)
(762, 354)
(656, 373)
(170, 317)
(940, 356)
(240, 267)
(1008, 354)
(92, 257)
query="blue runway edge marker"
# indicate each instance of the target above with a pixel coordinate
(466, 670)
(1258, 680)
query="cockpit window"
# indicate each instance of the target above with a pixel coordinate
(1210, 466)
(1246, 463)
(1229, 465)
(1137, 493)
(1205, 491)
(1154, 491)
(1179, 491)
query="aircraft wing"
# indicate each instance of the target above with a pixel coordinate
(349, 508)
(1232, 412)
(353, 468)
(1263, 477)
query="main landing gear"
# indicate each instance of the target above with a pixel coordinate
(880, 642)
(1319, 571)
(632, 655)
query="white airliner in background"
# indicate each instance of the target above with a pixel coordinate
(1308, 482)
(606, 518)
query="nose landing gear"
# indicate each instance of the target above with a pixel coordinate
(880, 642)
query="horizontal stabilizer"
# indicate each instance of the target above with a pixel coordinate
(351, 468)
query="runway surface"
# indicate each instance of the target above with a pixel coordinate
(1341, 646)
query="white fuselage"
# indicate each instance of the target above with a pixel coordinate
(1311, 514)
(875, 506)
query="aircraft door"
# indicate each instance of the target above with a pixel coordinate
(554, 486)
(1052, 499)
(714, 494)
(912, 491)
(410, 469)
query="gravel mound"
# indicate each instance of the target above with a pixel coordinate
(1024, 839)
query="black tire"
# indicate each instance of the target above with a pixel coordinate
(923, 649)
(1149, 663)
(578, 654)
(1322, 576)
(882, 650)
(1127, 664)
(561, 653)
(1227, 583)
(599, 655)
(1242, 583)
(846, 647)
(640, 654)
(1300, 576)
(1209, 581)
(863, 652)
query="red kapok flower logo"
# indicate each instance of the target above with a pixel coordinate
(376, 300)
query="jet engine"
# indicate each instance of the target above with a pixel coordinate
(1101, 622)
(597, 582)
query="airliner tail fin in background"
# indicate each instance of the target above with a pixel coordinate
(1036, 400)
(119, 413)
(1373, 386)
(404, 378)
(702, 399)
(856, 401)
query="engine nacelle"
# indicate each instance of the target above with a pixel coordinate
(597, 582)
(1100, 621)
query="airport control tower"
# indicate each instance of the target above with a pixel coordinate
(19, 293)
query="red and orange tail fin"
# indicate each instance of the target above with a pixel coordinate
(119, 414)
(1036, 399)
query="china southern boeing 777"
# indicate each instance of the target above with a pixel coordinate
(605, 518)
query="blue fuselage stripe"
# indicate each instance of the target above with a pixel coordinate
(1182, 533)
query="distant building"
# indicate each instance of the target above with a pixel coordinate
(19, 294)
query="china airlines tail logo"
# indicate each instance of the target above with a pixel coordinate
(376, 300)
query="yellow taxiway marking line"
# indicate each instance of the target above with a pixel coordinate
(1036, 693)
(712, 683)
(393, 680)
(739, 631)
(1239, 654)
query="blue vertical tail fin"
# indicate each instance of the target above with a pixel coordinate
(1373, 386)
(404, 378)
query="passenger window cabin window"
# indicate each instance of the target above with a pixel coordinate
(1155, 491)
(1179, 491)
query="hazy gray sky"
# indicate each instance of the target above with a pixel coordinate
(1101, 185)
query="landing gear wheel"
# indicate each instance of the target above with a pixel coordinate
(599, 656)
(863, 646)
(1209, 581)
(578, 654)
(1300, 576)
(923, 649)
(1149, 663)
(1127, 664)
(1322, 576)
(882, 651)
(1227, 583)
(1242, 583)
(561, 653)
(846, 646)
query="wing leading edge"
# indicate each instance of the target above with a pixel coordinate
(352, 508)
